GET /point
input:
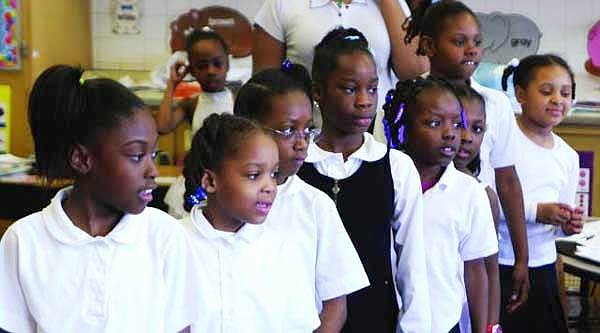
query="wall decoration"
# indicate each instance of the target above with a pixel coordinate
(9, 35)
(4, 118)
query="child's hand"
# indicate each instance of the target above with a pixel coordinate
(554, 213)
(575, 224)
(178, 71)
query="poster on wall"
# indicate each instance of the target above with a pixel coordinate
(4, 118)
(9, 35)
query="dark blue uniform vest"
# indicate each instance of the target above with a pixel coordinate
(365, 202)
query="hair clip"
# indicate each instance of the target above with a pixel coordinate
(352, 37)
(514, 62)
(389, 96)
(197, 197)
(463, 118)
(206, 28)
(286, 65)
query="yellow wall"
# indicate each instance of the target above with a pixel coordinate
(60, 31)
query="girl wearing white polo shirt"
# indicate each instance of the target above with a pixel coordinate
(96, 259)
(253, 277)
(450, 35)
(376, 190)
(548, 168)
(423, 117)
(279, 99)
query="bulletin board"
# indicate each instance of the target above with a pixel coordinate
(9, 35)
(4, 118)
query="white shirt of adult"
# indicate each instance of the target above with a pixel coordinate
(459, 226)
(57, 278)
(499, 145)
(301, 24)
(547, 175)
(307, 218)
(408, 249)
(252, 280)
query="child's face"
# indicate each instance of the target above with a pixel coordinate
(456, 52)
(122, 169)
(472, 136)
(547, 98)
(290, 111)
(245, 185)
(209, 64)
(433, 132)
(349, 99)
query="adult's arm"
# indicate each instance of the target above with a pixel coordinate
(268, 53)
(405, 61)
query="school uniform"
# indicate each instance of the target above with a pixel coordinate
(309, 222)
(207, 103)
(57, 278)
(377, 193)
(499, 145)
(547, 175)
(251, 279)
(459, 227)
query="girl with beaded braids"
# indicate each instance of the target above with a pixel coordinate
(96, 259)
(376, 190)
(425, 119)
(279, 99)
(450, 35)
(231, 181)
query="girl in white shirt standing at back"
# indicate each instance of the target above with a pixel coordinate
(208, 63)
(548, 168)
(376, 190)
(96, 259)
(424, 118)
(233, 164)
(279, 99)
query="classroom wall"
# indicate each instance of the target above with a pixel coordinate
(564, 24)
(150, 48)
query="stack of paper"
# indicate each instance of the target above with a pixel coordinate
(10, 164)
(589, 247)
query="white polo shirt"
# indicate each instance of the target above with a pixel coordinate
(307, 218)
(547, 175)
(459, 227)
(499, 145)
(57, 278)
(408, 249)
(301, 24)
(251, 279)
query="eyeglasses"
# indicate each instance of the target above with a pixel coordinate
(290, 133)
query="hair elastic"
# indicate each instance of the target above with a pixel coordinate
(197, 197)
(463, 118)
(286, 65)
(351, 37)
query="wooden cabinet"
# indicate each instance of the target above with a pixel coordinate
(53, 32)
(586, 138)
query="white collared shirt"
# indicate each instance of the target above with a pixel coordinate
(301, 24)
(251, 280)
(547, 175)
(499, 145)
(308, 218)
(408, 250)
(57, 278)
(459, 227)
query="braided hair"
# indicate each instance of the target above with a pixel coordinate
(220, 137)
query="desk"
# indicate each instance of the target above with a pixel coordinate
(23, 194)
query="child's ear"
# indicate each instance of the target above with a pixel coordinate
(209, 183)
(520, 95)
(80, 159)
(426, 46)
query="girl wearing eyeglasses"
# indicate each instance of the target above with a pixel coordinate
(328, 267)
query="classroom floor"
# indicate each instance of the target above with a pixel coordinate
(580, 322)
